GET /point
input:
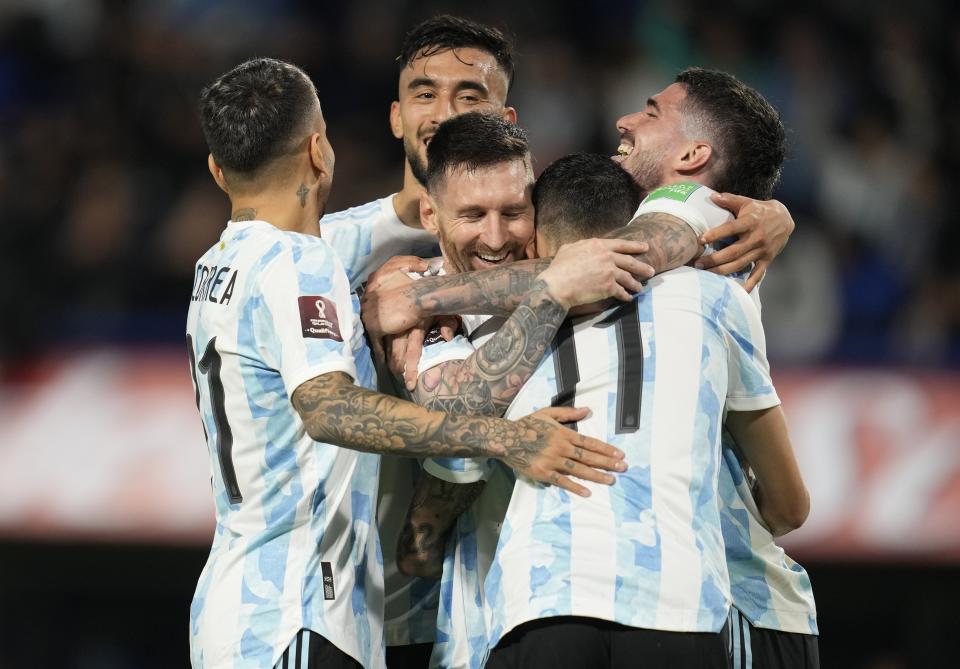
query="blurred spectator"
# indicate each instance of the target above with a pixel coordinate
(102, 164)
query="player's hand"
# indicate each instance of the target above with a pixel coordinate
(551, 453)
(594, 269)
(762, 227)
(395, 271)
(406, 361)
(388, 310)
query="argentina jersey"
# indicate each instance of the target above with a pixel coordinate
(766, 585)
(367, 236)
(364, 237)
(461, 641)
(648, 551)
(295, 545)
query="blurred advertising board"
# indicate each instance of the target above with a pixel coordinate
(107, 445)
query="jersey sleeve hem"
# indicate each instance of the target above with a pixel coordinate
(685, 212)
(455, 353)
(294, 381)
(471, 475)
(754, 403)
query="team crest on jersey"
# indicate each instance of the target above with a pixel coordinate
(318, 317)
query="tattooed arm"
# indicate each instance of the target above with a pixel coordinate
(433, 510)
(486, 382)
(336, 411)
(669, 243)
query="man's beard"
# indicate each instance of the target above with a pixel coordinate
(647, 172)
(418, 167)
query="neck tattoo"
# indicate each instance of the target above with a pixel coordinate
(302, 194)
(244, 215)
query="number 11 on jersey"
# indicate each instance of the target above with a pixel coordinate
(629, 365)
(209, 365)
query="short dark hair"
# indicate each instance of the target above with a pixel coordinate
(471, 141)
(255, 112)
(583, 195)
(444, 32)
(749, 141)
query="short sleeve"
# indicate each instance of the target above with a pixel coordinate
(366, 237)
(689, 202)
(749, 386)
(310, 317)
(437, 351)
(460, 470)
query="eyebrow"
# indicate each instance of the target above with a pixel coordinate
(653, 103)
(462, 85)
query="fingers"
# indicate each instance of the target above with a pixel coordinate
(625, 246)
(734, 228)
(563, 414)
(726, 255)
(756, 276)
(448, 326)
(636, 267)
(398, 350)
(730, 202)
(580, 455)
(737, 264)
(628, 283)
(412, 359)
(567, 484)
(378, 354)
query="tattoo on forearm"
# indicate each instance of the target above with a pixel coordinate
(487, 381)
(495, 291)
(435, 506)
(336, 411)
(672, 242)
(244, 215)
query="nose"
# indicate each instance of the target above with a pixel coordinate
(627, 123)
(444, 109)
(494, 235)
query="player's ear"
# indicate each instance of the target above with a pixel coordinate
(396, 123)
(317, 158)
(428, 214)
(217, 173)
(510, 114)
(693, 157)
(531, 248)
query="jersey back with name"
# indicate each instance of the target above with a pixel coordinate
(295, 544)
(647, 551)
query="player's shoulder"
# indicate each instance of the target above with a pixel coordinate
(379, 208)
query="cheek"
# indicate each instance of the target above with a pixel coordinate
(522, 230)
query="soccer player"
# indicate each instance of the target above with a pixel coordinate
(282, 374)
(447, 65)
(678, 161)
(639, 572)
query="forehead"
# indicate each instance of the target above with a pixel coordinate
(671, 96)
(490, 185)
(454, 64)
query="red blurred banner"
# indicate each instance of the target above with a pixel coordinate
(108, 446)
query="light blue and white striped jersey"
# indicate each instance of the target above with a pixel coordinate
(295, 544)
(461, 629)
(647, 551)
(365, 237)
(770, 589)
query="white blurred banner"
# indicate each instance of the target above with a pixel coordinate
(108, 446)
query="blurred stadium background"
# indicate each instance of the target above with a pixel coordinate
(105, 511)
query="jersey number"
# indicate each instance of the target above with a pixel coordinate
(210, 366)
(630, 366)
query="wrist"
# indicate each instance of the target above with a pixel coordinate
(551, 288)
